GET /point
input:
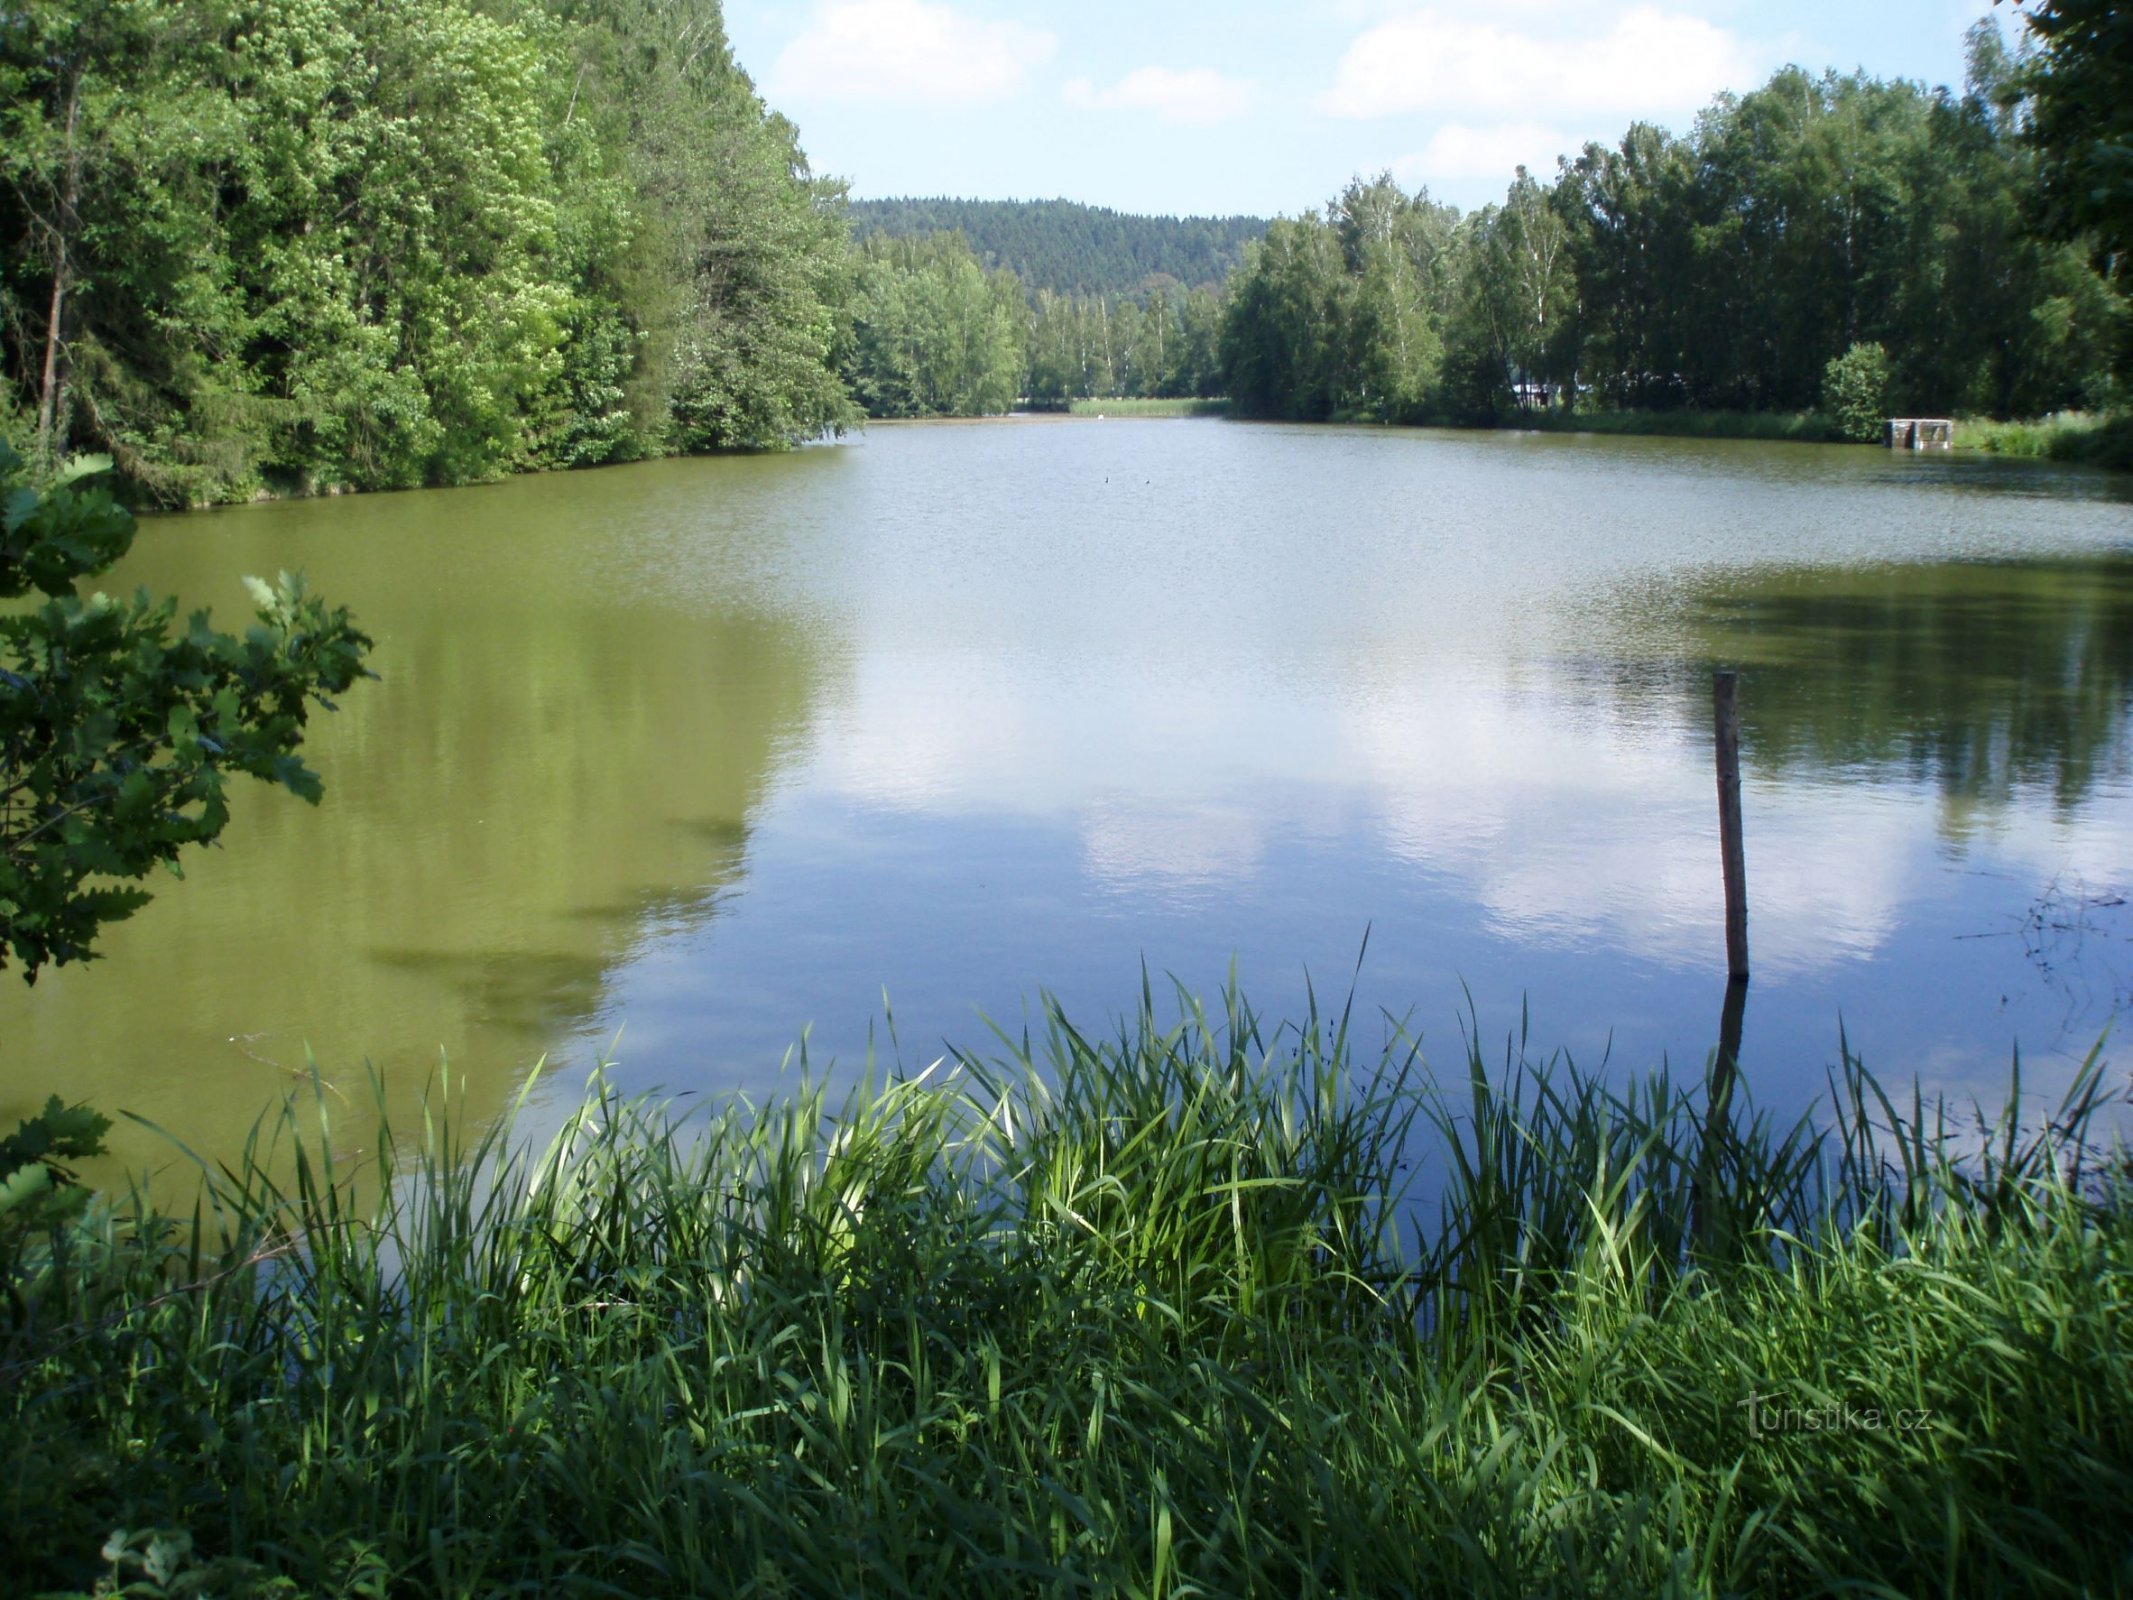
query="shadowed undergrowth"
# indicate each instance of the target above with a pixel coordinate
(1137, 1314)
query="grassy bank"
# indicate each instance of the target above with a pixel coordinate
(1807, 426)
(1131, 1316)
(1148, 408)
(2104, 441)
(1810, 427)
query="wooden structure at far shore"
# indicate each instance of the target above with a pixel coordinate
(1918, 433)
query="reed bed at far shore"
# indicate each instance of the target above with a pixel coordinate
(1686, 423)
(2072, 436)
(1145, 1313)
(1147, 407)
(2103, 441)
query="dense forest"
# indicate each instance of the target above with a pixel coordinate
(934, 333)
(297, 244)
(1071, 249)
(1115, 304)
(1164, 344)
(1871, 225)
(257, 246)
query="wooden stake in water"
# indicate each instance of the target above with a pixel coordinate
(1725, 699)
(1714, 1229)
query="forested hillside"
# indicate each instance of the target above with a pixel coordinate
(933, 333)
(1073, 249)
(249, 245)
(1816, 220)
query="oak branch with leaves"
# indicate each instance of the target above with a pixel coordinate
(119, 730)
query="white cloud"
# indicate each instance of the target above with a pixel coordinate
(1199, 97)
(906, 50)
(1132, 847)
(1457, 152)
(1573, 829)
(1648, 62)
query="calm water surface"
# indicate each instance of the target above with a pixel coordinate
(676, 761)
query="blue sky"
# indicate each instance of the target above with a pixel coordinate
(1266, 107)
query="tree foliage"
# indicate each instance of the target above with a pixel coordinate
(933, 333)
(119, 730)
(38, 1190)
(731, 272)
(936, 334)
(2081, 109)
(1855, 388)
(253, 244)
(1161, 345)
(259, 245)
(1072, 250)
(1726, 269)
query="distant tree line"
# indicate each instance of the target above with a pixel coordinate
(1833, 233)
(1163, 343)
(254, 246)
(1114, 304)
(1071, 249)
(934, 333)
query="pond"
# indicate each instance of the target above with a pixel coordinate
(673, 762)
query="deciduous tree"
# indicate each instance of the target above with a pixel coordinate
(119, 730)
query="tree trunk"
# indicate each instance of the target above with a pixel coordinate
(62, 230)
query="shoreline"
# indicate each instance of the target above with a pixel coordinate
(2066, 439)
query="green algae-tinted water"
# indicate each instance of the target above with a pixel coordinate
(674, 762)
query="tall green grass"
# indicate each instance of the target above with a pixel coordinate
(2095, 440)
(1151, 1313)
(2105, 441)
(1688, 423)
(1147, 406)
